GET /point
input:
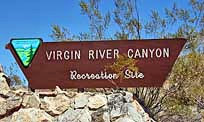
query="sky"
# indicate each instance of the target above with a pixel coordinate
(33, 19)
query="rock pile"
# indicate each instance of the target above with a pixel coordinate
(23, 105)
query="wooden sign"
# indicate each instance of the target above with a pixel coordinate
(96, 64)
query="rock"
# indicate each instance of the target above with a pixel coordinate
(78, 115)
(97, 101)
(115, 104)
(120, 105)
(44, 105)
(140, 110)
(133, 113)
(6, 119)
(115, 98)
(31, 101)
(97, 116)
(166, 85)
(116, 113)
(55, 105)
(128, 97)
(10, 93)
(106, 117)
(70, 94)
(21, 91)
(85, 117)
(31, 115)
(9, 104)
(2, 106)
(45, 92)
(126, 119)
(138, 107)
(80, 100)
(13, 102)
(59, 91)
(4, 88)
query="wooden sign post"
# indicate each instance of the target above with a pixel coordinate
(96, 64)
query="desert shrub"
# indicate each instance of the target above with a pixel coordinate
(12, 73)
(186, 84)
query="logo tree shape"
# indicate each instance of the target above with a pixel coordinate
(30, 55)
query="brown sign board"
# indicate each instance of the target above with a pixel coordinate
(87, 64)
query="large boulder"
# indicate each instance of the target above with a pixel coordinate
(77, 115)
(31, 115)
(31, 101)
(55, 105)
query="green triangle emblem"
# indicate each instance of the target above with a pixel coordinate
(26, 49)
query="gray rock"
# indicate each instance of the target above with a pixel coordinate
(125, 119)
(78, 115)
(120, 105)
(128, 97)
(97, 101)
(116, 99)
(117, 112)
(106, 117)
(86, 117)
(80, 100)
(133, 113)
(141, 111)
(115, 105)
(98, 115)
